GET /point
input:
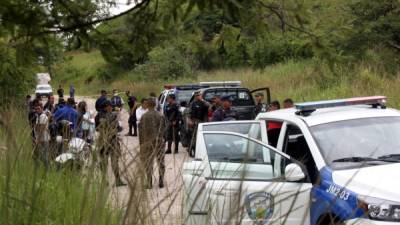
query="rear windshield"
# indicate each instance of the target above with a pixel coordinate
(184, 95)
(240, 97)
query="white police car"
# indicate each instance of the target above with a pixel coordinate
(329, 162)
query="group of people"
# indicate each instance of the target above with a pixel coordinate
(66, 118)
(157, 131)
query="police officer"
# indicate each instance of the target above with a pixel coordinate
(151, 139)
(116, 101)
(101, 100)
(260, 106)
(198, 114)
(108, 141)
(225, 113)
(173, 117)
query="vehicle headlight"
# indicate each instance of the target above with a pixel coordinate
(380, 209)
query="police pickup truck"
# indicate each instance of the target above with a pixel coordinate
(327, 162)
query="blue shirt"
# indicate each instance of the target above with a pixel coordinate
(67, 113)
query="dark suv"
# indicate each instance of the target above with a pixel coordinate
(242, 99)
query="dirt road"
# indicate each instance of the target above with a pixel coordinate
(166, 202)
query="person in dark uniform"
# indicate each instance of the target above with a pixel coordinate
(198, 114)
(173, 117)
(151, 140)
(101, 100)
(260, 106)
(225, 113)
(108, 141)
(132, 114)
(60, 92)
(116, 101)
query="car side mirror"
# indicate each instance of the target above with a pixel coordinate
(293, 172)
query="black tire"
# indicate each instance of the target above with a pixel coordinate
(330, 219)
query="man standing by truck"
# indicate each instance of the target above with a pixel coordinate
(198, 114)
(225, 113)
(173, 117)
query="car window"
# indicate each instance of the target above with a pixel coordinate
(184, 95)
(253, 130)
(234, 157)
(239, 97)
(273, 132)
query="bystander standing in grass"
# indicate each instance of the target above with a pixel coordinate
(108, 141)
(42, 135)
(151, 139)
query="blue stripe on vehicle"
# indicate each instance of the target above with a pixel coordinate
(327, 197)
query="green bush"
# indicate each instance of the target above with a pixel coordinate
(165, 63)
(269, 51)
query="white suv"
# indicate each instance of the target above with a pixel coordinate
(328, 162)
(43, 90)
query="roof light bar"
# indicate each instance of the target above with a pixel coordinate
(221, 83)
(169, 86)
(312, 106)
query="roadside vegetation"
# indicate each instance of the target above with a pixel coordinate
(301, 80)
(32, 194)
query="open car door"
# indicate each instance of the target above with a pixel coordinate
(195, 203)
(265, 91)
(244, 181)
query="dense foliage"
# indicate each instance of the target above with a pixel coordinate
(198, 35)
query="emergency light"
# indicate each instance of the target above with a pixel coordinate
(221, 84)
(308, 107)
(168, 86)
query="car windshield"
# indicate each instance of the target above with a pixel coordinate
(184, 95)
(239, 97)
(359, 141)
(43, 88)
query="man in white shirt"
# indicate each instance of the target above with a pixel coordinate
(42, 135)
(141, 110)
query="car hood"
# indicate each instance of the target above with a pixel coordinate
(375, 181)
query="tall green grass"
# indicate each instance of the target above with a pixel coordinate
(32, 194)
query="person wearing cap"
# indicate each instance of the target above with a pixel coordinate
(225, 113)
(216, 103)
(100, 100)
(173, 116)
(260, 105)
(108, 142)
(198, 114)
(67, 113)
(116, 101)
(132, 114)
(151, 139)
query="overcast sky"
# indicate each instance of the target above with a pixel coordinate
(121, 6)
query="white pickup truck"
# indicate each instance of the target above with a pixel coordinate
(328, 162)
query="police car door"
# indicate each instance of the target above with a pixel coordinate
(247, 181)
(194, 176)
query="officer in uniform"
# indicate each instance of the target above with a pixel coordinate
(225, 113)
(198, 114)
(108, 141)
(151, 139)
(260, 106)
(173, 117)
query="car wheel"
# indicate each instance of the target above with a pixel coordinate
(330, 219)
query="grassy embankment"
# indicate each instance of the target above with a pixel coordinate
(30, 194)
(302, 81)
